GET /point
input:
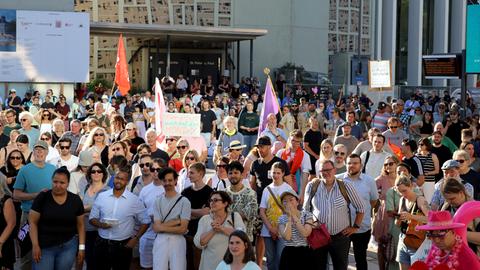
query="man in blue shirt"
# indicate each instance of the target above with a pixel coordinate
(367, 189)
(32, 179)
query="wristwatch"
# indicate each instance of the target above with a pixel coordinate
(356, 226)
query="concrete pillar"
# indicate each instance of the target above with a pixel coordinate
(440, 32)
(389, 33)
(457, 30)
(415, 41)
(376, 25)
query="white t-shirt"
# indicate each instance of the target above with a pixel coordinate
(71, 163)
(272, 210)
(375, 162)
(148, 196)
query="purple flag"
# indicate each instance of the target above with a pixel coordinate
(270, 105)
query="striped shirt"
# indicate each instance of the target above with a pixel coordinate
(330, 207)
(297, 239)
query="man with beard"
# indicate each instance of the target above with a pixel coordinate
(312, 112)
(453, 126)
(115, 213)
(244, 199)
(367, 190)
(356, 129)
(442, 152)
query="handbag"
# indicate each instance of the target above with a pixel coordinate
(319, 237)
(413, 237)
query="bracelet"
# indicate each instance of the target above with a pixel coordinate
(81, 247)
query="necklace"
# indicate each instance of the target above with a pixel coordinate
(450, 259)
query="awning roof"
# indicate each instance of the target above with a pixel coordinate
(176, 32)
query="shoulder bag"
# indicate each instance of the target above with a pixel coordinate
(319, 237)
(414, 238)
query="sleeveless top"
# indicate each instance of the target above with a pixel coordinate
(428, 166)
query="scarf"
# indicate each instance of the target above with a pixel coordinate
(230, 133)
(295, 163)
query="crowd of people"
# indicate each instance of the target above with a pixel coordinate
(91, 184)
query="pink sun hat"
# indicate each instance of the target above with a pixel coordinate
(440, 220)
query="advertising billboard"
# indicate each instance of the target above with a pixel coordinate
(473, 39)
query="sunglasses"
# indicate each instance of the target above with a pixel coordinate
(214, 200)
(393, 126)
(338, 153)
(144, 165)
(116, 149)
(190, 158)
(155, 169)
(181, 147)
(461, 161)
(64, 147)
(44, 139)
(23, 120)
(436, 234)
(128, 129)
(389, 164)
(98, 135)
(97, 171)
(170, 140)
(231, 150)
(46, 114)
(421, 144)
(15, 158)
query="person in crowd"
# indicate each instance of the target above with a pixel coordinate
(440, 113)
(452, 125)
(208, 118)
(297, 160)
(182, 146)
(96, 177)
(294, 227)
(411, 207)
(270, 211)
(26, 119)
(214, 229)
(120, 148)
(45, 118)
(78, 176)
(381, 117)
(171, 215)
(340, 156)
(63, 109)
(8, 224)
(409, 148)
(367, 190)
(445, 139)
(347, 139)
(227, 136)
(15, 161)
(115, 220)
(138, 121)
(10, 122)
(401, 115)
(467, 174)
(425, 126)
(321, 196)
(198, 194)
(372, 159)
(240, 253)
(148, 196)
(74, 135)
(367, 144)
(100, 116)
(58, 129)
(244, 199)
(53, 153)
(287, 123)
(326, 151)
(57, 228)
(96, 144)
(12, 145)
(430, 166)
(395, 135)
(312, 111)
(469, 147)
(145, 162)
(355, 130)
(441, 151)
(273, 132)
(118, 131)
(151, 140)
(219, 181)
(312, 142)
(235, 150)
(66, 158)
(448, 248)
(333, 123)
(133, 136)
(184, 181)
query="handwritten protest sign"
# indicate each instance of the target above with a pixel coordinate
(181, 124)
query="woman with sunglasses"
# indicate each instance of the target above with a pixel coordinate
(9, 220)
(96, 144)
(448, 248)
(176, 160)
(190, 157)
(134, 137)
(235, 151)
(12, 145)
(45, 117)
(215, 228)
(384, 230)
(474, 161)
(240, 253)
(219, 180)
(119, 148)
(78, 179)
(23, 146)
(430, 165)
(53, 155)
(96, 177)
(412, 207)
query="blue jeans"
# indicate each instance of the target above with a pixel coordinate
(273, 250)
(58, 257)
(249, 141)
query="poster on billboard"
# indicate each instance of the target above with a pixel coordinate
(44, 46)
(380, 75)
(473, 40)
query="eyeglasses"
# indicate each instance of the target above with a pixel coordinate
(181, 147)
(393, 127)
(389, 164)
(231, 150)
(64, 147)
(190, 158)
(144, 165)
(436, 234)
(46, 114)
(326, 170)
(214, 200)
(23, 120)
(98, 135)
(44, 139)
(15, 158)
(116, 149)
(97, 171)
(461, 161)
(170, 140)
(338, 153)
(296, 141)
(221, 166)
(155, 169)
(128, 129)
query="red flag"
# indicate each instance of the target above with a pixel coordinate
(160, 110)
(121, 69)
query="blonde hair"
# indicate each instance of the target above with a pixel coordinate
(89, 141)
(192, 152)
(326, 141)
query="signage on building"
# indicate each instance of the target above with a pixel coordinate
(448, 66)
(473, 39)
(380, 74)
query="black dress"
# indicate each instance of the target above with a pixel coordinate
(8, 249)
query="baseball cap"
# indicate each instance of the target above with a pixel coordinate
(42, 144)
(264, 140)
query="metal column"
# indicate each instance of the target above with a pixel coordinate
(440, 33)
(251, 58)
(389, 33)
(415, 42)
(238, 61)
(167, 71)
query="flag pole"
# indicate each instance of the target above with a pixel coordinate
(266, 70)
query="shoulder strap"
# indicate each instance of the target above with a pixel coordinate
(313, 191)
(276, 200)
(366, 161)
(134, 183)
(169, 211)
(343, 191)
(233, 219)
